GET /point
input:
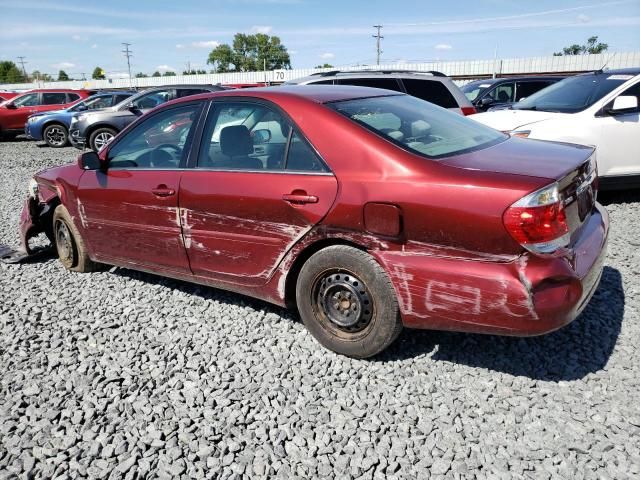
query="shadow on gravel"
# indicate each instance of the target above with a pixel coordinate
(623, 196)
(571, 353)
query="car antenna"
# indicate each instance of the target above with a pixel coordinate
(607, 62)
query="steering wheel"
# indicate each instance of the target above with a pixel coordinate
(170, 146)
(165, 155)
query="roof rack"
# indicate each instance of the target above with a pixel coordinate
(331, 73)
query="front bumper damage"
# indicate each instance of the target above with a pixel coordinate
(34, 220)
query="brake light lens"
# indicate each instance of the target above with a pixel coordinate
(538, 221)
(468, 110)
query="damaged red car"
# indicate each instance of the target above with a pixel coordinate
(365, 209)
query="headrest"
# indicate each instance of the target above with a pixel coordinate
(420, 128)
(235, 140)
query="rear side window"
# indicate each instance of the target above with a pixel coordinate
(186, 92)
(301, 158)
(526, 89)
(73, 97)
(386, 83)
(323, 82)
(54, 98)
(431, 91)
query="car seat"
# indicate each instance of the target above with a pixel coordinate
(503, 96)
(236, 143)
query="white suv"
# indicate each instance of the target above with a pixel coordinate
(434, 87)
(598, 109)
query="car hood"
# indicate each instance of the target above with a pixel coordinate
(519, 156)
(50, 112)
(506, 120)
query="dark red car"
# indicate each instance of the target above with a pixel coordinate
(4, 96)
(14, 113)
(366, 209)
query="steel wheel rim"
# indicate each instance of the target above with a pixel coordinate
(55, 136)
(102, 139)
(342, 301)
(64, 242)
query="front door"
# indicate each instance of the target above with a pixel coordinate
(130, 211)
(257, 189)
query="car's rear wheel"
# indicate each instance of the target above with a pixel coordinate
(347, 302)
(69, 244)
(100, 138)
(56, 135)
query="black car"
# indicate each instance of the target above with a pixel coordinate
(502, 92)
(96, 129)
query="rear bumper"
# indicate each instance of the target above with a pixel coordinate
(525, 296)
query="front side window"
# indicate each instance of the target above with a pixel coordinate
(474, 90)
(153, 99)
(103, 101)
(430, 90)
(30, 100)
(418, 126)
(159, 142)
(72, 97)
(120, 98)
(503, 93)
(526, 89)
(54, 98)
(573, 94)
(632, 91)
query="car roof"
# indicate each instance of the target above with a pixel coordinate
(314, 93)
(616, 71)
(491, 81)
(431, 74)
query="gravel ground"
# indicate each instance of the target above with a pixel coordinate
(120, 374)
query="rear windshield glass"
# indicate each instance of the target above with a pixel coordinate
(572, 94)
(418, 126)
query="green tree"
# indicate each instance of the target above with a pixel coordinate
(326, 65)
(250, 53)
(592, 46)
(169, 73)
(98, 74)
(189, 72)
(10, 73)
(62, 76)
(141, 75)
(156, 74)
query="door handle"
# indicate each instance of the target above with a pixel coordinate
(163, 191)
(299, 198)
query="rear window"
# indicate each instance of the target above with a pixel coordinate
(386, 83)
(417, 126)
(431, 91)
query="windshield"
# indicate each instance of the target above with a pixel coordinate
(572, 94)
(474, 89)
(418, 126)
(93, 103)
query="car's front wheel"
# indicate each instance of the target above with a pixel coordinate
(100, 138)
(347, 302)
(56, 135)
(69, 244)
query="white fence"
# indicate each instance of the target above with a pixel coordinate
(459, 70)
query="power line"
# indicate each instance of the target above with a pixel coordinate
(378, 37)
(22, 62)
(128, 54)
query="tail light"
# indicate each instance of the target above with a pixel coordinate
(468, 110)
(538, 221)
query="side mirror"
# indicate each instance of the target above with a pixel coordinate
(10, 106)
(623, 104)
(131, 107)
(89, 161)
(486, 101)
(81, 108)
(261, 136)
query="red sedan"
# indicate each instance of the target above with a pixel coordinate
(364, 208)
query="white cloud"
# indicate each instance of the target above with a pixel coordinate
(77, 38)
(584, 18)
(116, 75)
(63, 65)
(206, 44)
(266, 29)
(292, 52)
(95, 45)
(165, 68)
(443, 46)
(179, 46)
(327, 55)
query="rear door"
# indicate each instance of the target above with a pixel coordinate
(130, 212)
(257, 188)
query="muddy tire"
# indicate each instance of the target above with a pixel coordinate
(347, 302)
(69, 245)
(56, 135)
(100, 138)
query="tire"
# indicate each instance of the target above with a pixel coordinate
(72, 252)
(99, 136)
(56, 135)
(347, 302)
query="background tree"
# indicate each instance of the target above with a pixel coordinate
(189, 72)
(592, 46)
(141, 75)
(169, 73)
(250, 53)
(62, 76)
(10, 73)
(326, 65)
(156, 74)
(98, 74)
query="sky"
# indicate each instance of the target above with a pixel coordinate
(78, 36)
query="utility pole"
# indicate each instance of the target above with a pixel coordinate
(128, 54)
(188, 67)
(378, 37)
(22, 62)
